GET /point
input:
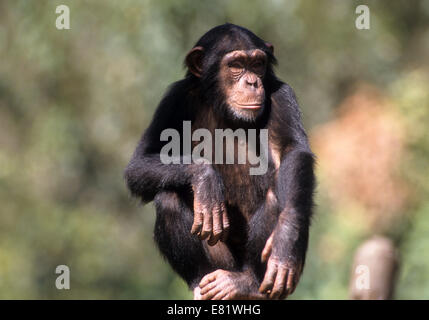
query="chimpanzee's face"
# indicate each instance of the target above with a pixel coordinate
(240, 77)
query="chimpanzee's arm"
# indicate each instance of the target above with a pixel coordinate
(146, 174)
(287, 246)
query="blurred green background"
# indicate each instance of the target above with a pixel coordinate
(73, 104)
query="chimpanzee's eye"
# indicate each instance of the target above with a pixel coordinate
(236, 66)
(258, 67)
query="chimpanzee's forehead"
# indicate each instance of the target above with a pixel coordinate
(251, 53)
(235, 45)
(221, 40)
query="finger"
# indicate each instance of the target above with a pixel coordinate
(295, 282)
(279, 283)
(290, 280)
(225, 223)
(291, 283)
(217, 226)
(222, 294)
(210, 294)
(207, 225)
(296, 277)
(231, 295)
(208, 287)
(207, 279)
(198, 218)
(269, 278)
(198, 223)
(267, 249)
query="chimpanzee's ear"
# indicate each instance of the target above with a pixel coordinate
(270, 47)
(194, 61)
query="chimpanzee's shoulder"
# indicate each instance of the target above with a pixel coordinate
(284, 101)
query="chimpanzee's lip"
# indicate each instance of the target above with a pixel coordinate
(249, 105)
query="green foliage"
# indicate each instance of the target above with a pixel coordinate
(73, 104)
(412, 97)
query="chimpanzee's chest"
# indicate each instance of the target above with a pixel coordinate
(245, 192)
(242, 157)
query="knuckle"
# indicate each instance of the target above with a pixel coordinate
(222, 207)
(275, 261)
(274, 291)
(195, 229)
(217, 229)
(269, 283)
(226, 225)
(222, 272)
(217, 233)
(208, 225)
(207, 212)
(197, 225)
(272, 264)
(204, 234)
(216, 210)
(283, 267)
(207, 230)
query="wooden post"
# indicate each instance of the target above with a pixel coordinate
(374, 270)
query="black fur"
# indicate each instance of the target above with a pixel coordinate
(253, 216)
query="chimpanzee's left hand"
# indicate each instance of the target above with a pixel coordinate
(284, 266)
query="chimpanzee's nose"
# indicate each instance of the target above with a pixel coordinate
(252, 81)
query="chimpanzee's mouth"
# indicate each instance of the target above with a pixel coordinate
(255, 105)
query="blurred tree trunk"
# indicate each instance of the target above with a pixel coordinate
(374, 270)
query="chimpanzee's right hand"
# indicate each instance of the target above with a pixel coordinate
(210, 217)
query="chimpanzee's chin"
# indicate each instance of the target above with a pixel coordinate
(247, 115)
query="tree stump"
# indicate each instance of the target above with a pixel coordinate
(374, 270)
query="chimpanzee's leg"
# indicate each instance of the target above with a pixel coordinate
(244, 283)
(261, 225)
(190, 257)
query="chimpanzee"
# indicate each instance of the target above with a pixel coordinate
(230, 234)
